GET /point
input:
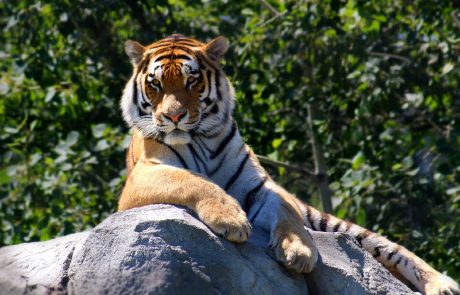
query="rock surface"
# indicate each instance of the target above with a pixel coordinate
(163, 249)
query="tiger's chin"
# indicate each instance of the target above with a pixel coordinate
(177, 137)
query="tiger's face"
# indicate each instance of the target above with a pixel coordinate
(177, 89)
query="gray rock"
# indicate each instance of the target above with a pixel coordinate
(163, 249)
(38, 268)
(344, 268)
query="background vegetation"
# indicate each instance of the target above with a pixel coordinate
(382, 77)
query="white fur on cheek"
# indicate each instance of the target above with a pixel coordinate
(129, 109)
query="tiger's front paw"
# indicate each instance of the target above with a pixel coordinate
(441, 285)
(225, 218)
(296, 251)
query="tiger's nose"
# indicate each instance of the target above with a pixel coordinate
(176, 116)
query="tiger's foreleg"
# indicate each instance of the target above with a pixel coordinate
(279, 213)
(393, 256)
(150, 183)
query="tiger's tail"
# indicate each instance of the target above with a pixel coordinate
(394, 257)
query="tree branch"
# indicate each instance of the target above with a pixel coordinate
(320, 164)
(293, 168)
(390, 55)
(269, 7)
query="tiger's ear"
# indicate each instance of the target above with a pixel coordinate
(134, 50)
(216, 48)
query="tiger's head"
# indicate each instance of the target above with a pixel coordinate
(177, 89)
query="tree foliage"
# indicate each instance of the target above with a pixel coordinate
(382, 76)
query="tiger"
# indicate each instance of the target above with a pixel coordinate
(186, 150)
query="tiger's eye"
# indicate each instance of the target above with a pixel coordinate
(191, 79)
(155, 82)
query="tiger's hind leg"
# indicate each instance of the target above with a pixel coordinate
(394, 257)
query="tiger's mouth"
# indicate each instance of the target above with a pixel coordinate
(177, 137)
(179, 133)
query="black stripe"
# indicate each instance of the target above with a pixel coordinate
(135, 91)
(205, 116)
(217, 167)
(323, 222)
(256, 213)
(196, 156)
(146, 63)
(201, 149)
(185, 43)
(398, 261)
(174, 47)
(361, 236)
(309, 218)
(237, 172)
(205, 146)
(166, 56)
(141, 112)
(337, 226)
(212, 128)
(216, 129)
(182, 56)
(226, 114)
(181, 160)
(145, 104)
(217, 77)
(164, 44)
(347, 228)
(187, 50)
(207, 100)
(224, 142)
(166, 49)
(192, 149)
(249, 199)
(204, 59)
(377, 252)
(390, 255)
(200, 63)
(417, 275)
(406, 261)
(141, 64)
(210, 84)
(215, 109)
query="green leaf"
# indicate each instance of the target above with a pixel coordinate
(50, 94)
(72, 138)
(447, 68)
(102, 145)
(357, 161)
(98, 130)
(396, 167)
(361, 217)
(4, 177)
(277, 142)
